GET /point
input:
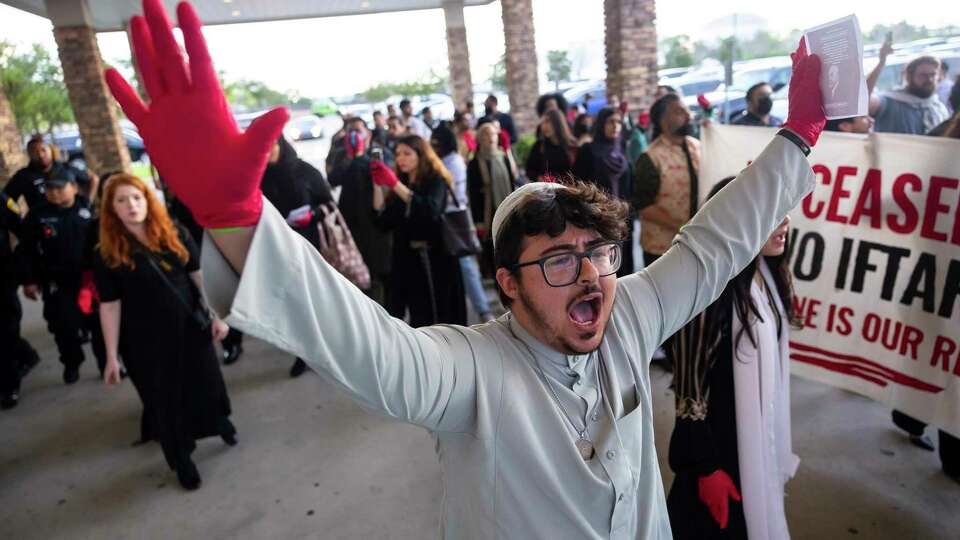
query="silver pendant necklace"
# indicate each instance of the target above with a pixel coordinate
(583, 443)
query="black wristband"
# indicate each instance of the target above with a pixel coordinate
(795, 139)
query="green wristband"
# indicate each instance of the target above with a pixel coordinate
(227, 230)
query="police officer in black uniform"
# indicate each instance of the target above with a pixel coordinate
(30, 181)
(18, 356)
(52, 254)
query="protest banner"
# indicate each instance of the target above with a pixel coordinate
(875, 254)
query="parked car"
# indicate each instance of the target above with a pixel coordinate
(598, 96)
(731, 101)
(71, 145)
(324, 107)
(303, 128)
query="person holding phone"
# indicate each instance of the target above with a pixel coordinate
(352, 174)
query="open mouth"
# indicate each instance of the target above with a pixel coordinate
(585, 311)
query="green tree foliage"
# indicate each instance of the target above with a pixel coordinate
(498, 80)
(433, 83)
(678, 51)
(560, 67)
(33, 83)
(252, 95)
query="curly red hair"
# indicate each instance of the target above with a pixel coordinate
(115, 239)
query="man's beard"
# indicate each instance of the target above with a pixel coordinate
(539, 318)
(921, 91)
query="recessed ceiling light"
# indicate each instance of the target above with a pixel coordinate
(227, 1)
(364, 4)
(235, 13)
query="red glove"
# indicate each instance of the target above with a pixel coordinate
(188, 129)
(504, 138)
(353, 143)
(300, 217)
(470, 141)
(383, 175)
(714, 490)
(643, 119)
(805, 116)
(88, 293)
(704, 102)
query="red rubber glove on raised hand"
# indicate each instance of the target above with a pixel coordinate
(187, 127)
(353, 144)
(714, 492)
(805, 116)
(383, 175)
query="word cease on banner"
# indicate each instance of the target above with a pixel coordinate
(875, 254)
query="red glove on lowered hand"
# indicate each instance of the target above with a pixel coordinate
(805, 116)
(88, 293)
(383, 175)
(188, 130)
(714, 490)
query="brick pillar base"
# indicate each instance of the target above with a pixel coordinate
(93, 106)
(523, 83)
(631, 50)
(12, 157)
(458, 55)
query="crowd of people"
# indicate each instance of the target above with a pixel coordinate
(112, 262)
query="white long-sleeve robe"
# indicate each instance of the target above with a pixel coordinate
(510, 467)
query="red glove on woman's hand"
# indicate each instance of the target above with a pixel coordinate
(383, 175)
(188, 130)
(805, 116)
(714, 491)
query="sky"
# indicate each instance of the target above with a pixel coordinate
(344, 55)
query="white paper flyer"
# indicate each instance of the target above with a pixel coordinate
(839, 44)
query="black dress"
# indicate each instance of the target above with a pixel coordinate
(426, 280)
(169, 358)
(698, 447)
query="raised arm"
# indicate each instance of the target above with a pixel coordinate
(272, 282)
(885, 50)
(728, 232)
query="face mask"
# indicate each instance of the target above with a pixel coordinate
(764, 105)
(684, 131)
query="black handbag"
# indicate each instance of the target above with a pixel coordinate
(458, 231)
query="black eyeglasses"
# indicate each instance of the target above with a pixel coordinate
(563, 269)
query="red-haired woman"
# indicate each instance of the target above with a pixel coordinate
(426, 279)
(153, 315)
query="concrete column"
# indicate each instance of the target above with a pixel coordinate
(631, 50)
(523, 82)
(458, 54)
(12, 157)
(93, 106)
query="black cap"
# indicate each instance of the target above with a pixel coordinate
(60, 176)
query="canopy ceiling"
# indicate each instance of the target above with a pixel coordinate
(110, 15)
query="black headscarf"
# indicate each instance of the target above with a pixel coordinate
(291, 182)
(608, 158)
